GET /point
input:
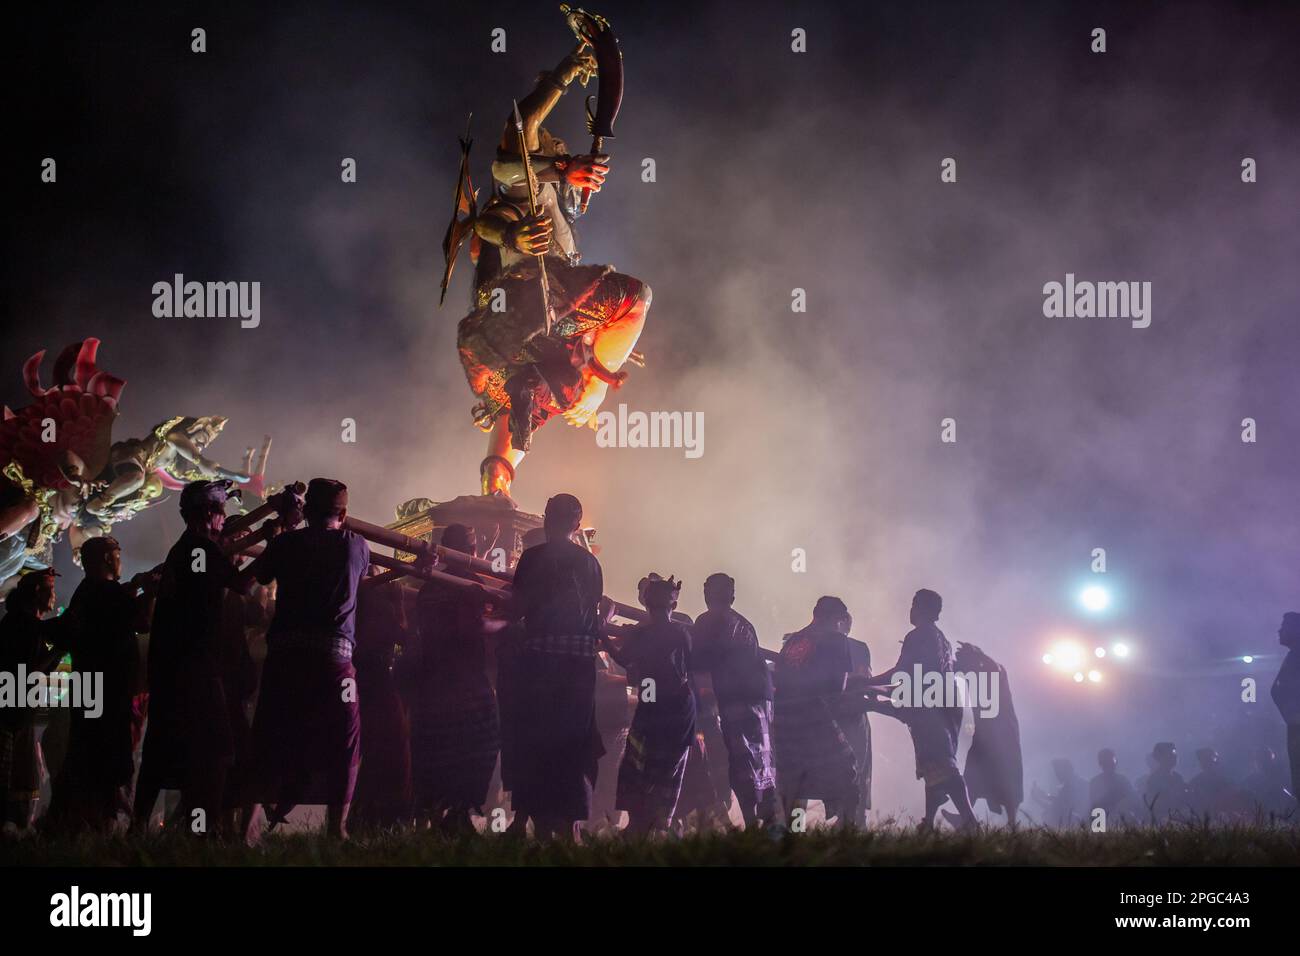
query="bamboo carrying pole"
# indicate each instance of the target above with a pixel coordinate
(378, 534)
(252, 545)
(432, 574)
(268, 508)
(395, 567)
(387, 577)
(401, 542)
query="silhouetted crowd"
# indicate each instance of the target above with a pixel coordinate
(312, 676)
(1164, 794)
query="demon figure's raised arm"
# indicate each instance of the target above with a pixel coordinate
(172, 454)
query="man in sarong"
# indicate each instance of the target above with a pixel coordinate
(814, 759)
(521, 374)
(557, 592)
(308, 728)
(657, 658)
(725, 645)
(706, 794)
(189, 743)
(934, 729)
(455, 728)
(96, 775)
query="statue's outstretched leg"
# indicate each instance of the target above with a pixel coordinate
(610, 346)
(603, 350)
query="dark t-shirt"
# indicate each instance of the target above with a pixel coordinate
(318, 571)
(813, 664)
(24, 640)
(660, 652)
(926, 645)
(726, 645)
(558, 586)
(105, 642)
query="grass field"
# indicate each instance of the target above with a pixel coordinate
(1177, 845)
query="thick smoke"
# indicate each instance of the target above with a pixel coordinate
(774, 171)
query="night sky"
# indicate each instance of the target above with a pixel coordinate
(775, 170)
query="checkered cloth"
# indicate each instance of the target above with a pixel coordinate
(556, 745)
(747, 732)
(454, 747)
(336, 648)
(934, 741)
(566, 645)
(814, 756)
(651, 774)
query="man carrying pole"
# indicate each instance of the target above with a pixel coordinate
(557, 593)
(308, 723)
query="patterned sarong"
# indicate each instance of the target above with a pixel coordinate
(454, 747)
(815, 759)
(307, 730)
(654, 760)
(557, 746)
(747, 731)
(934, 742)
